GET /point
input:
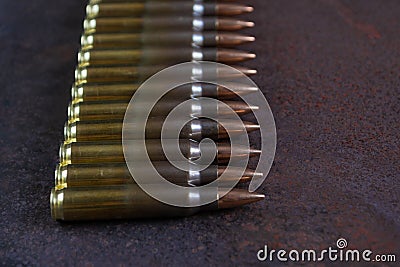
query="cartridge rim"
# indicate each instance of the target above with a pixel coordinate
(89, 25)
(56, 175)
(84, 58)
(61, 152)
(77, 93)
(73, 112)
(56, 204)
(92, 10)
(72, 132)
(87, 41)
(66, 131)
(61, 174)
(81, 75)
(65, 154)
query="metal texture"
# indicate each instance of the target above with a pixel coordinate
(106, 174)
(112, 151)
(81, 131)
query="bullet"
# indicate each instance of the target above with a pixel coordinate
(112, 152)
(125, 91)
(104, 10)
(106, 174)
(163, 24)
(163, 39)
(196, 129)
(149, 56)
(135, 74)
(130, 202)
(92, 111)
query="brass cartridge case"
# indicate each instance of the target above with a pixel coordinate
(81, 175)
(158, 56)
(162, 24)
(125, 91)
(75, 175)
(166, 8)
(113, 202)
(135, 74)
(112, 152)
(103, 92)
(92, 111)
(197, 129)
(162, 39)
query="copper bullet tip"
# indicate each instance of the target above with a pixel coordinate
(224, 152)
(239, 107)
(233, 24)
(233, 9)
(249, 174)
(229, 39)
(250, 72)
(232, 174)
(234, 90)
(245, 24)
(230, 55)
(246, 90)
(250, 127)
(250, 24)
(253, 108)
(258, 175)
(245, 71)
(223, 134)
(255, 152)
(252, 89)
(239, 197)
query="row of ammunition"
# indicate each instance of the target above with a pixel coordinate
(125, 42)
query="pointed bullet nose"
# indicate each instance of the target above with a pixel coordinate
(226, 152)
(250, 174)
(240, 90)
(227, 73)
(250, 72)
(255, 197)
(233, 9)
(233, 90)
(233, 25)
(254, 152)
(246, 24)
(248, 9)
(241, 108)
(232, 173)
(253, 108)
(232, 55)
(239, 197)
(235, 128)
(229, 39)
(251, 127)
(246, 71)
